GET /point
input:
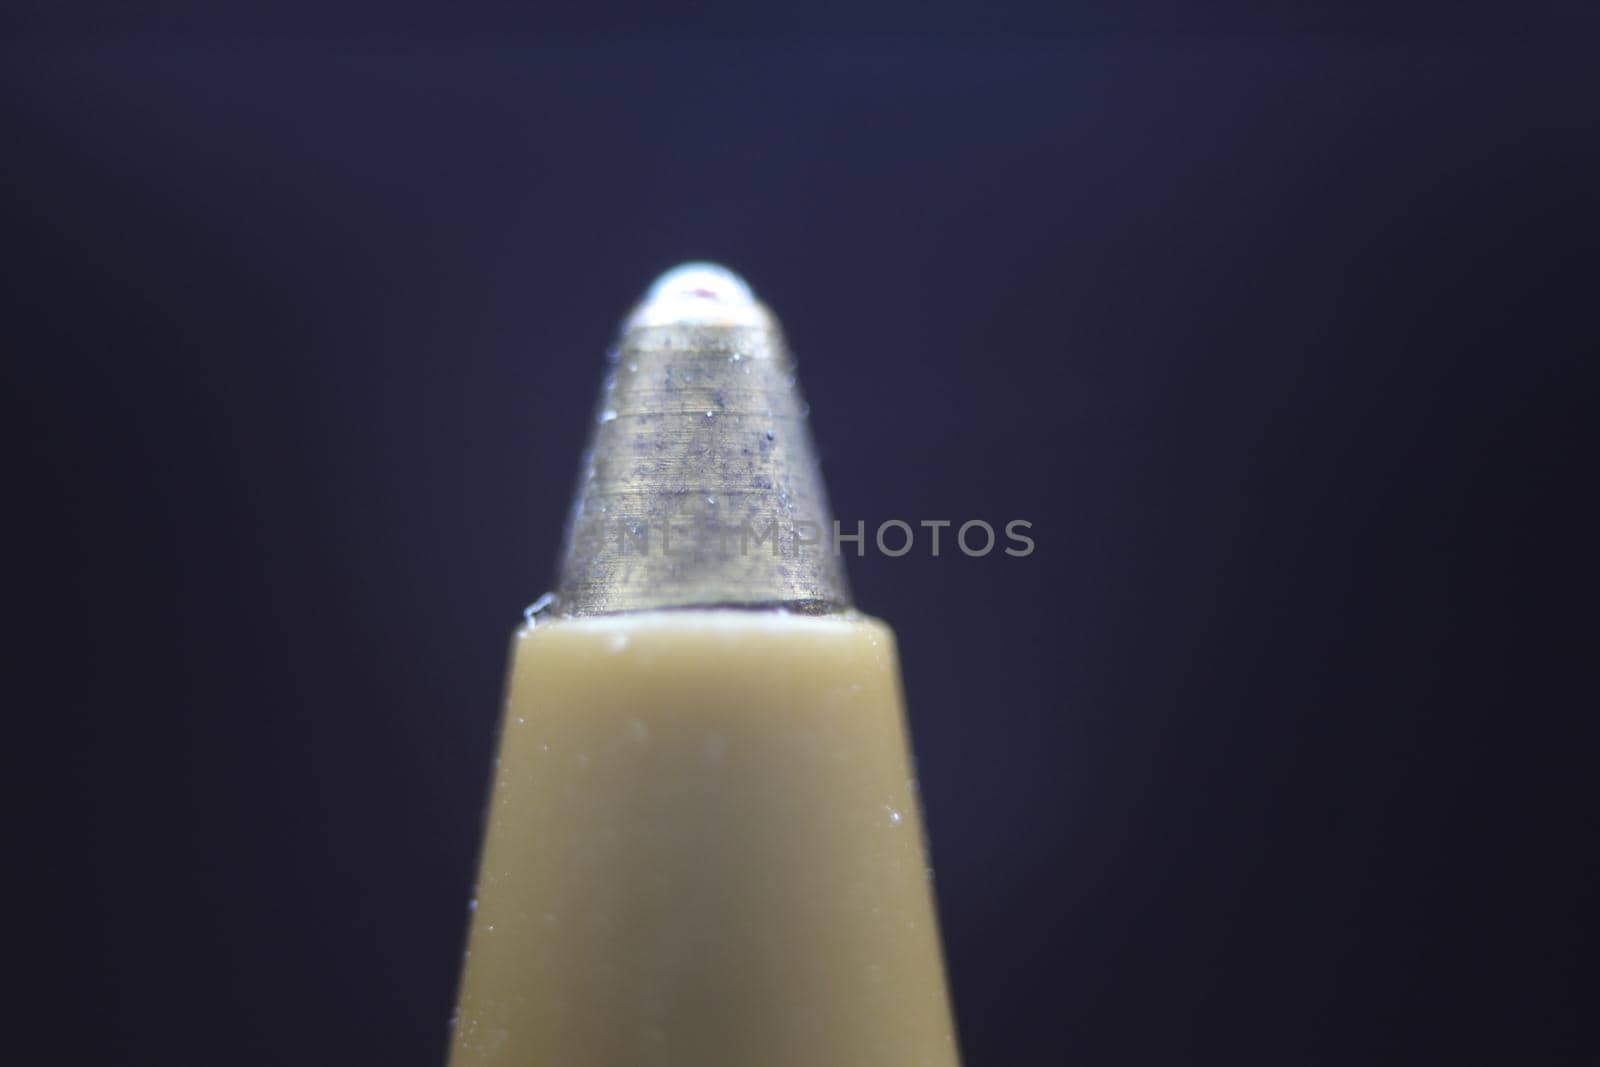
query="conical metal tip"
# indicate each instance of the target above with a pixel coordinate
(701, 486)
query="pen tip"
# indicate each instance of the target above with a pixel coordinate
(703, 294)
(701, 486)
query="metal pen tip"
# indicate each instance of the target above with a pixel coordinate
(701, 486)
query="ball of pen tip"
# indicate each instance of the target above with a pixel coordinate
(699, 294)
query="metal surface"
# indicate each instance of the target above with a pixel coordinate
(701, 486)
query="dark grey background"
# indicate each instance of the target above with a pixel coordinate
(1271, 753)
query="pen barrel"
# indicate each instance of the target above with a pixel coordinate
(704, 847)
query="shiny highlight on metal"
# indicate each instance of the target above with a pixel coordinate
(701, 486)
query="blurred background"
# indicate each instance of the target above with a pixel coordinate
(1270, 322)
